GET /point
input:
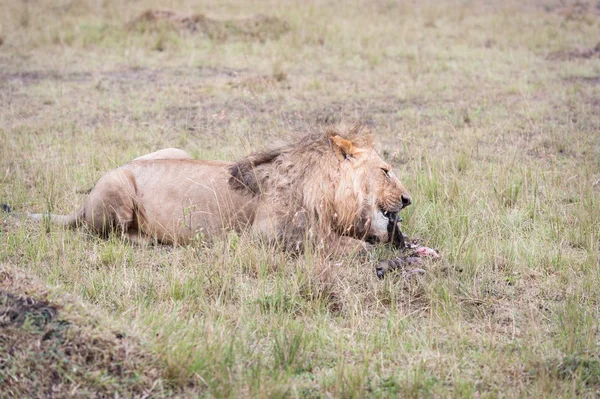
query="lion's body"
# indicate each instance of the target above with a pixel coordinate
(170, 200)
(323, 186)
(165, 153)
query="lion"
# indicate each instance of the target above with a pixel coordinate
(329, 187)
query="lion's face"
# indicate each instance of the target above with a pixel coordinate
(369, 194)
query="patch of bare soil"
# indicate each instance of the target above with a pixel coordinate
(258, 27)
(587, 80)
(565, 55)
(36, 76)
(52, 348)
(15, 310)
(124, 78)
(573, 9)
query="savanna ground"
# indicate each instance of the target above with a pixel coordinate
(489, 111)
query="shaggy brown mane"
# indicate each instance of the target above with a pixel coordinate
(296, 180)
(313, 146)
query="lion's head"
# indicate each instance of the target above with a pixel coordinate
(328, 182)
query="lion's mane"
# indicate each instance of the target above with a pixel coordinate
(299, 181)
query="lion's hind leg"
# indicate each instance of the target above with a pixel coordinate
(110, 207)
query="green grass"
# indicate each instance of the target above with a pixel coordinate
(488, 112)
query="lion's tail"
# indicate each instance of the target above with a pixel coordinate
(70, 220)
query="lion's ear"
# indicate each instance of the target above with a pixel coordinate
(343, 148)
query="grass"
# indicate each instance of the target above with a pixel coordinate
(488, 112)
(52, 347)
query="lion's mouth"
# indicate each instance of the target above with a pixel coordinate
(387, 221)
(395, 236)
(393, 217)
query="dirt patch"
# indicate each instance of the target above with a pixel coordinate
(123, 78)
(36, 76)
(258, 27)
(587, 80)
(51, 347)
(128, 78)
(565, 55)
(573, 10)
(15, 310)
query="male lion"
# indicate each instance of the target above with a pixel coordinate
(329, 187)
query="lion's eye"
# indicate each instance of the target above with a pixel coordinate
(386, 171)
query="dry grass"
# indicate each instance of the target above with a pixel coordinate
(488, 110)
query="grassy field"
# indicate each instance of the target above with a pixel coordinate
(489, 112)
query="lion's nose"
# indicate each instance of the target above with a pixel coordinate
(406, 200)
